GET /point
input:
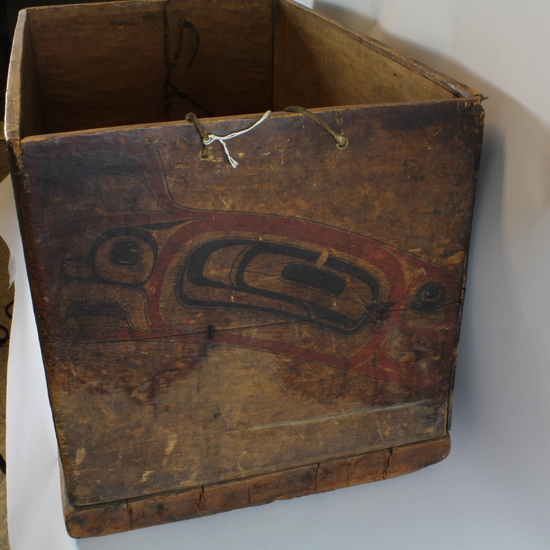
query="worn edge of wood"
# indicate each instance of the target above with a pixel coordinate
(454, 86)
(248, 118)
(12, 115)
(475, 177)
(204, 500)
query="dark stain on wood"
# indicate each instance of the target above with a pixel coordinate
(217, 338)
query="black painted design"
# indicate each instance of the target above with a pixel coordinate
(296, 266)
(96, 309)
(314, 277)
(124, 263)
(126, 253)
(429, 298)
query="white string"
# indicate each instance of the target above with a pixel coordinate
(223, 139)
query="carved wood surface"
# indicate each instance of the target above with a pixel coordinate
(202, 323)
(210, 327)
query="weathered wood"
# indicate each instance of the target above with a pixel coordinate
(104, 64)
(270, 362)
(24, 111)
(89, 521)
(216, 337)
(319, 63)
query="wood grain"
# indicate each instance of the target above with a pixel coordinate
(205, 500)
(225, 379)
(215, 337)
(117, 77)
(24, 115)
(319, 63)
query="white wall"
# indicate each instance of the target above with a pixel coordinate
(493, 491)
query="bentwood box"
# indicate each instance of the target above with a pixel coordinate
(236, 303)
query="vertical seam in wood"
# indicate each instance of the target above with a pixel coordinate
(316, 473)
(387, 465)
(129, 511)
(199, 501)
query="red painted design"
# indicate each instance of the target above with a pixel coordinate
(163, 271)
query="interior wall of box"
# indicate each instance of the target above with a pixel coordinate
(9, 10)
(110, 67)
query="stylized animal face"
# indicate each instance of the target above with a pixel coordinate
(138, 266)
(180, 280)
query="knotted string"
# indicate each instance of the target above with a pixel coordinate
(223, 139)
(208, 139)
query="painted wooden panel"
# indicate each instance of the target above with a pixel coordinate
(217, 337)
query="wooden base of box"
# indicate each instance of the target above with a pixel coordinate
(128, 514)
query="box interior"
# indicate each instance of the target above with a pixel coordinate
(101, 65)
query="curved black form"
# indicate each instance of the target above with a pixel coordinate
(125, 252)
(299, 268)
(429, 298)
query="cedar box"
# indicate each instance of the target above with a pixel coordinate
(216, 337)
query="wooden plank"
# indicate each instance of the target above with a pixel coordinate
(405, 164)
(226, 379)
(219, 337)
(23, 101)
(319, 63)
(104, 64)
(200, 501)
(234, 415)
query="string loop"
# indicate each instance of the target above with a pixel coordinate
(208, 139)
(340, 140)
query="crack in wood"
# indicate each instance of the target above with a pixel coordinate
(388, 462)
(200, 501)
(129, 511)
(315, 476)
(210, 331)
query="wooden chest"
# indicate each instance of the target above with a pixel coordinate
(229, 322)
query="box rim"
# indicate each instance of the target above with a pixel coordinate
(248, 117)
(13, 109)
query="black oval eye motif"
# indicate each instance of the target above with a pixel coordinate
(126, 253)
(119, 256)
(429, 298)
(124, 259)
